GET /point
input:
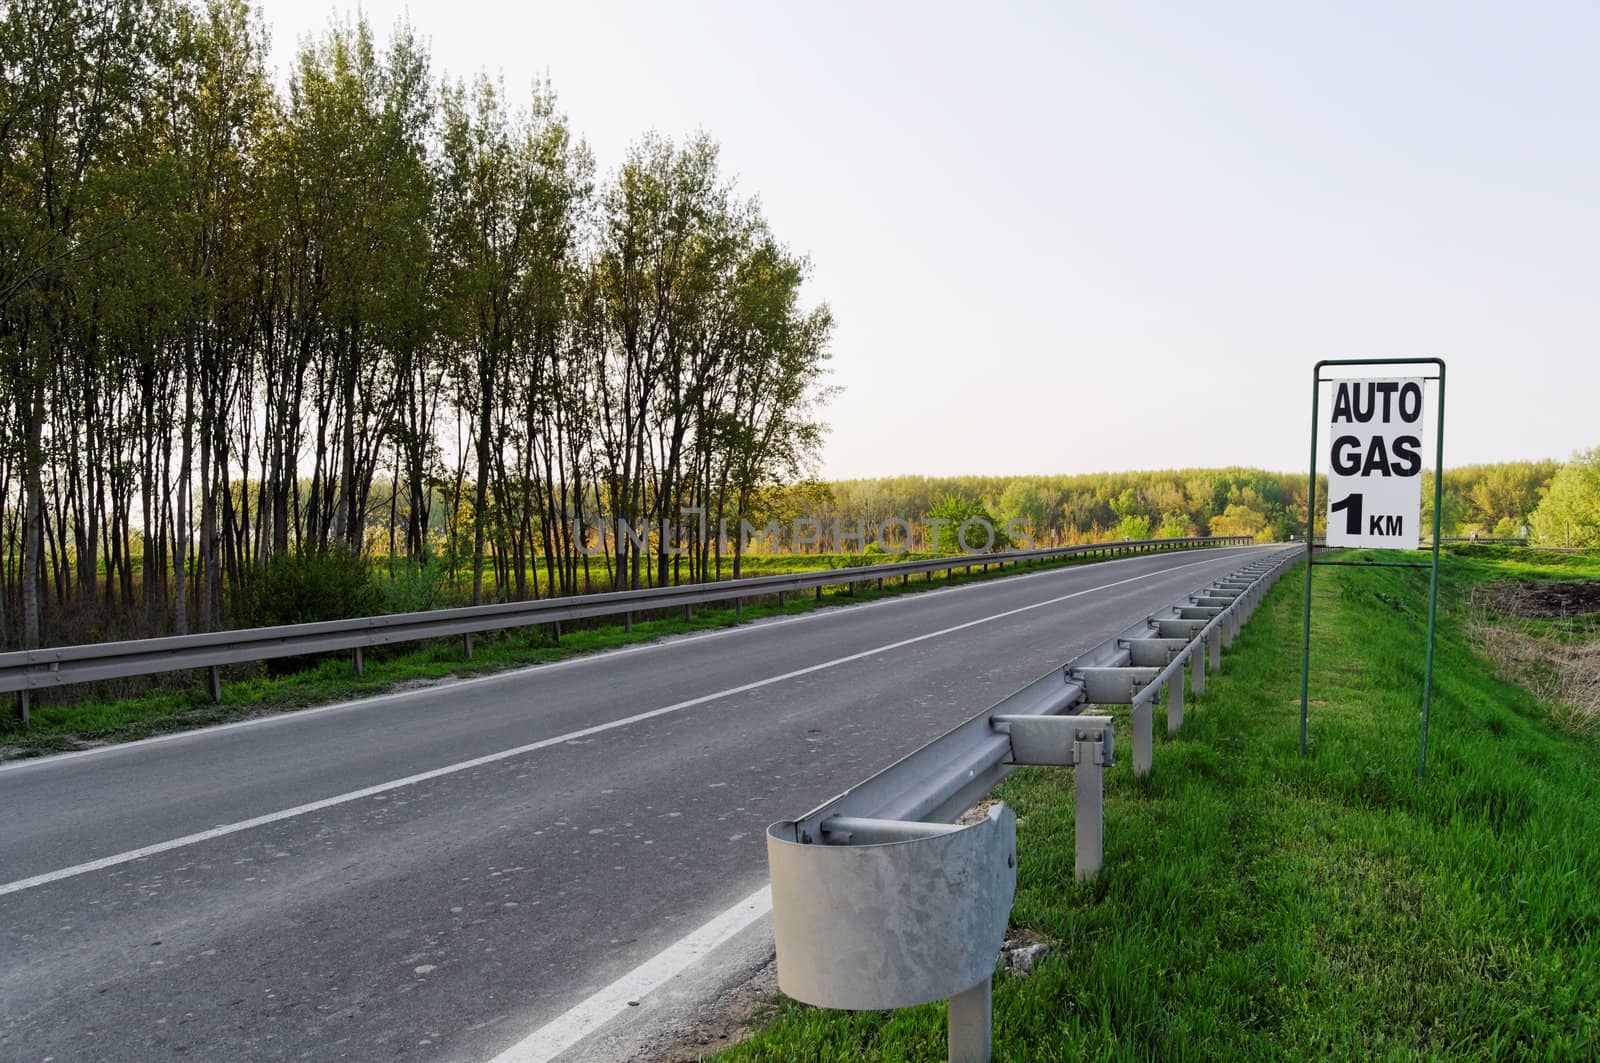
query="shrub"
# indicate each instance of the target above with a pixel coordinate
(984, 533)
(1133, 528)
(303, 588)
(416, 588)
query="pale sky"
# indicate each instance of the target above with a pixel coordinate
(1079, 237)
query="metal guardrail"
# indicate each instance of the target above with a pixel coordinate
(24, 671)
(880, 902)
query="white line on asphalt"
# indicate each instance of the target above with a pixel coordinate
(567, 1029)
(477, 762)
(573, 1025)
(589, 658)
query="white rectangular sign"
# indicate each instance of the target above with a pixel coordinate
(1375, 464)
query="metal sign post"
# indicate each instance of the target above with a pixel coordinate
(1375, 456)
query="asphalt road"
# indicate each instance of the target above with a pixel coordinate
(403, 877)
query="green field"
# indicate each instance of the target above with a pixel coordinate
(1257, 905)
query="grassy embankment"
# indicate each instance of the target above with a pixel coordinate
(1257, 905)
(94, 714)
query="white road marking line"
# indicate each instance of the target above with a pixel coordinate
(573, 1025)
(490, 758)
(588, 658)
(664, 642)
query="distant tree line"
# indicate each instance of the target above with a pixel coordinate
(1489, 501)
(369, 313)
(1509, 499)
(1173, 503)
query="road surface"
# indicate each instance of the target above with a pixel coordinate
(440, 873)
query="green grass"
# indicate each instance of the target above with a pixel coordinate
(95, 714)
(1257, 905)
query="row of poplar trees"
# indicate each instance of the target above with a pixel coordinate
(241, 320)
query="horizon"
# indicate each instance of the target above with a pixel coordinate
(1321, 471)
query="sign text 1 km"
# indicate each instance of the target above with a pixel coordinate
(1375, 471)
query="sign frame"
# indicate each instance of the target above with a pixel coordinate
(1317, 380)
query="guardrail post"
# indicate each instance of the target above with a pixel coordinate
(466, 644)
(688, 613)
(1088, 795)
(1197, 669)
(1087, 744)
(24, 705)
(214, 681)
(1143, 743)
(1216, 648)
(971, 1024)
(627, 625)
(1134, 686)
(356, 664)
(1175, 702)
(555, 632)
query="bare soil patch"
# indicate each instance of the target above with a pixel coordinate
(1559, 663)
(1545, 600)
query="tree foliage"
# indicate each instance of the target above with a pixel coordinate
(963, 525)
(1569, 515)
(1173, 503)
(1067, 509)
(370, 312)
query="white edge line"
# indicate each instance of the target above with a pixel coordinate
(587, 657)
(576, 1023)
(225, 829)
(595, 1011)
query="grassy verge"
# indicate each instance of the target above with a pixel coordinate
(1257, 905)
(95, 714)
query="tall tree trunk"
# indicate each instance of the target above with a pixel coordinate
(481, 491)
(180, 536)
(33, 522)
